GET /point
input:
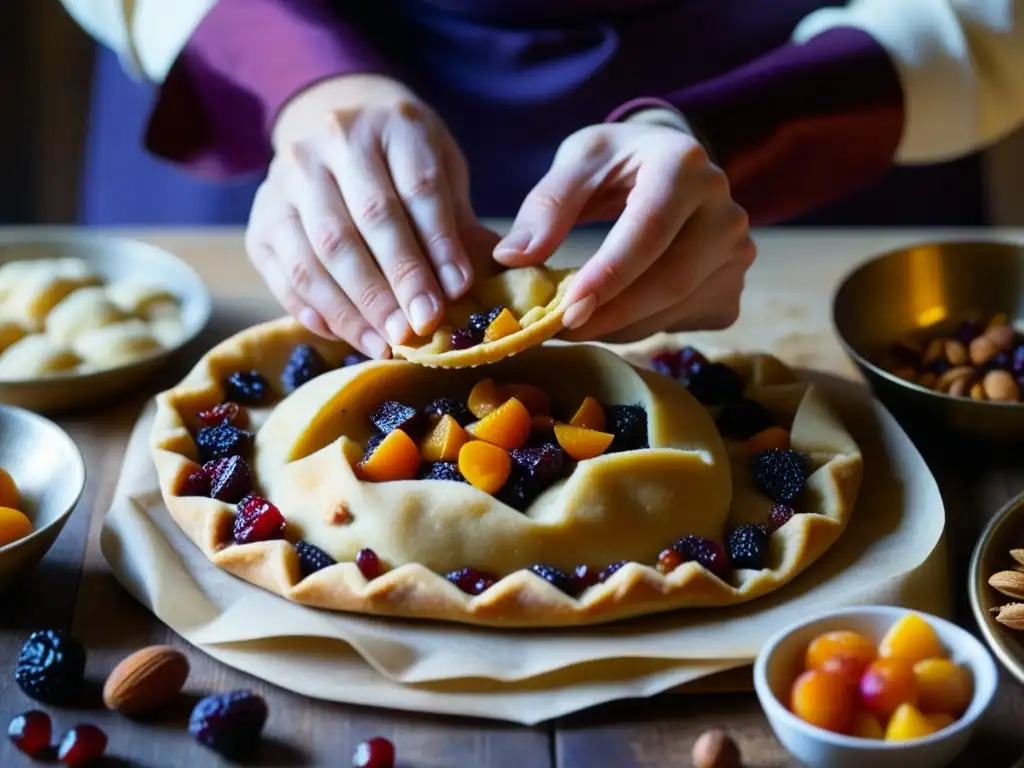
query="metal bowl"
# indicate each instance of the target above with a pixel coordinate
(113, 258)
(49, 471)
(903, 291)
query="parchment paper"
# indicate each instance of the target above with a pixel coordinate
(529, 676)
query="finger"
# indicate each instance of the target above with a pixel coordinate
(422, 183)
(340, 249)
(310, 281)
(374, 205)
(277, 282)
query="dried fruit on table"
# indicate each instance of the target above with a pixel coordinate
(944, 686)
(508, 426)
(256, 519)
(911, 639)
(229, 723)
(590, 415)
(582, 444)
(81, 746)
(907, 723)
(886, 684)
(9, 494)
(396, 457)
(50, 667)
(30, 732)
(146, 680)
(484, 398)
(823, 700)
(14, 525)
(374, 753)
(484, 465)
(505, 324)
(443, 441)
(716, 749)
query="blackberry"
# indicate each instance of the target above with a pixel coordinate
(449, 406)
(248, 388)
(713, 383)
(391, 415)
(629, 425)
(779, 474)
(304, 364)
(479, 321)
(779, 516)
(222, 441)
(519, 491)
(553, 576)
(441, 470)
(584, 577)
(229, 723)
(743, 419)
(748, 546)
(50, 667)
(463, 338)
(471, 581)
(353, 358)
(544, 463)
(312, 558)
(230, 479)
(611, 570)
(371, 444)
(706, 552)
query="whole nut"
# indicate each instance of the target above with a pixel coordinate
(1001, 387)
(959, 388)
(946, 380)
(716, 749)
(1002, 336)
(933, 352)
(146, 680)
(1010, 583)
(956, 352)
(977, 391)
(1011, 615)
(983, 349)
(1018, 555)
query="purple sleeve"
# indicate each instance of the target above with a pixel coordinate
(244, 62)
(800, 126)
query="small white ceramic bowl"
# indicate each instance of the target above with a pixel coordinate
(781, 661)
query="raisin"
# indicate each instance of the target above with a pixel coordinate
(748, 546)
(30, 732)
(391, 415)
(82, 745)
(471, 581)
(553, 576)
(779, 474)
(304, 365)
(222, 441)
(229, 723)
(708, 553)
(629, 425)
(441, 470)
(230, 479)
(312, 558)
(248, 388)
(374, 753)
(449, 406)
(257, 520)
(743, 419)
(713, 383)
(779, 516)
(50, 667)
(225, 413)
(369, 564)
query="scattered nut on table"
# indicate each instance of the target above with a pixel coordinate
(146, 680)
(716, 749)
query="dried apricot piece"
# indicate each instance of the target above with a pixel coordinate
(580, 443)
(767, 439)
(485, 466)
(542, 424)
(13, 526)
(590, 415)
(505, 324)
(396, 457)
(907, 723)
(443, 442)
(824, 700)
(866, 726)
(945, 687)
(534, 398)
(9, 495)
(508, 426)
(912, 639)
(841, 643)
(484, 398)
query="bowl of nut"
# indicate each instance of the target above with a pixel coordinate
(936, 330)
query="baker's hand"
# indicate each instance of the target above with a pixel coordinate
(358, 228)
(676, 256)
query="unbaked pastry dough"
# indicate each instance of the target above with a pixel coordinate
(621, 506)
(82, 311)
(35, 356)
(115, 344)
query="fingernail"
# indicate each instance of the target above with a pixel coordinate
(396, 327)
(452, 279)
(374, 345)
(312, 321)
(516, 241)
(421, 311)
(579, 312)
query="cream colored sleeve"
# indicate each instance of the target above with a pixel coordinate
(961, 63)
(148, 35)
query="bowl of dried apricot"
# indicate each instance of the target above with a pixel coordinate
(42, 476)
(874, 685)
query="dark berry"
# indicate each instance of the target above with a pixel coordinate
(369, 564)
(304, 364)
(463, 338)
(196, 484)
(391, 415)
(519, 491)
(353, 358)
(248, 388)
(471, 581)
(257, 520)
(713, 383)
(553, 576)
(969, 330)
(478, 322)
(629, 425)
(611, 570)
(779, 516)
(449, 406)
(312, 558)
(666, 363)
(50, 667)
(371, 444)
(584, 577)
(708, 553)
(82, 745)
(1001, 361)
(688, 358)
(743, 419)
(940, 366)
(229, 723)
(1017, 361)
(230, 479)
(748, 546)
(225, 413)
(779, 474)
(31, 732)
(441, 470)
(544, 463)
(222, 441)
(668, 560)
(374, 753)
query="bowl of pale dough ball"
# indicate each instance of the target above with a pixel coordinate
(84, 318)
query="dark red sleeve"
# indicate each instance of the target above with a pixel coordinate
(800, 126)
(246, 59)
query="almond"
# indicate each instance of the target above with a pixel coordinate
(983, 349)
(956, 352)
(146, 680)
(1000, 387)
(1018, 555)
(1002, 336)
(946, 380)
(933, 352)
(1010, 583)
(1011, 615)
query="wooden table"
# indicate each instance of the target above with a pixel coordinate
(786, 308)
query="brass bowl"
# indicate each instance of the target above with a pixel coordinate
(992, 554)
(901, 292)
(49, 471)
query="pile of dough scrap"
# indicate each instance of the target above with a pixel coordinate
(58, 317)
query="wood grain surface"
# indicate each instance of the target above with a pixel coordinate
(786, 307)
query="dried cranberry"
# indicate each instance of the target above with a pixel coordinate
(708, 553)
(30, 732)
(449, 406)
(230, 479)
(779, 516)
(196, 484)
(257, 520)
(553, 576)
(463, 338)
(479, 321)
(304, 365)
(229, 723)
(471, 581)
(50, 667)
(82, 745)
(225, 413)
(312, 558)
(374, 753)
(668, 560)
(248, 388)
(583, 577)
(611, 570)
(369, 564)
(391, 415)
(629, 425)
(222, 441)
(353, 358)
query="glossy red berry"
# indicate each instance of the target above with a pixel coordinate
(30, 732)
(82, 745)
(369, 564)
(257, 520)
(374, 753)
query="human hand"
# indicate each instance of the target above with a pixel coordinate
(676, 257)
(359, 228)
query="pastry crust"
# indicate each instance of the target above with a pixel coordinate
(617, 507)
